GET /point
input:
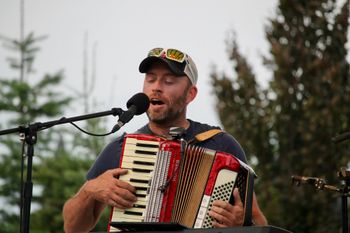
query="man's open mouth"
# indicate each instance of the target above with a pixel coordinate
(155, 101)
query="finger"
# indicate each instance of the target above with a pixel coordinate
(113, 203)
(125, 185)
(231, 215)
(221, 211)
(122, 201)
(126, 194)
(238, 201)
(220, 219)
(223, 205)
(118, 171)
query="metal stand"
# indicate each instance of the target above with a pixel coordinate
(345, 176)
(30, 138)
(320, 184)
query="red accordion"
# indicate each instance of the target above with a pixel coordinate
(177, 183)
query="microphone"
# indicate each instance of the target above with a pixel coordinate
(136, 105)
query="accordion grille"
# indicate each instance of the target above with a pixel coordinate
(194, 174)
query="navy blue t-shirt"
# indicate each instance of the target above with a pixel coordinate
(110, 156)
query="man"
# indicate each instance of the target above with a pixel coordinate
(170, 83)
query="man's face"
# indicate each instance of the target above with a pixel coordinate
(169, 94)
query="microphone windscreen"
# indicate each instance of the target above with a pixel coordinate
(140, 101)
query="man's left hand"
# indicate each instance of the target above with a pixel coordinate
(227, 215)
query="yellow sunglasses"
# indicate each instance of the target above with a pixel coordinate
(171, 54)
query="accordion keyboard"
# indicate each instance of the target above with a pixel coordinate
(139, 158)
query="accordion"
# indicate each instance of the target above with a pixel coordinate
(177, 183)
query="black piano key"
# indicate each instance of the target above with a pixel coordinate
(128, 212)
(139, 206)
(145, 152)
(146, 145)
(139, 181)
(141, 188)
(141, 170)
(143, 163)
(140, 195)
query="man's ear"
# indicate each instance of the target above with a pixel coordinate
(191, 94)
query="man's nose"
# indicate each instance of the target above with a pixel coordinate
(157, 86)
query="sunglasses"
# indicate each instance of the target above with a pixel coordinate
(171, 54)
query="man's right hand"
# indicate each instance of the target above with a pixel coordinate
(108, 189)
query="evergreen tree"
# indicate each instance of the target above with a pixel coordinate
(287, 129)
(22, 103)
(62, 157)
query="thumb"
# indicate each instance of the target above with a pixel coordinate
(118, 171)
(237, 197)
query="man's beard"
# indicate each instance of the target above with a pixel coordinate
(176, 109)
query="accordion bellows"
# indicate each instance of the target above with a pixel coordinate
(177, 183)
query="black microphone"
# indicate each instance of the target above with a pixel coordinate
(136, 105)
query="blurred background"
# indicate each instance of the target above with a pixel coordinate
(275, 74)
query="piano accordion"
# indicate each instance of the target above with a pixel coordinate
(177, 183)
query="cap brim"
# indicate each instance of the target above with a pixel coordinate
(148, 61)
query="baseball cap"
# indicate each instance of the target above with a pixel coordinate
(179, 62)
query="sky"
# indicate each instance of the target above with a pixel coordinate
(121, 32)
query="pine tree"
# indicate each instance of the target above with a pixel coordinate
(24, 101)
(62, 156)
(287, 129)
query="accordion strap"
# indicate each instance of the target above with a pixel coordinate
(205, 135)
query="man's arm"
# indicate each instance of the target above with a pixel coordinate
(258, 217)
(81, 212)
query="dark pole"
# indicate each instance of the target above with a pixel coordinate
(344, 175)
(30, 139)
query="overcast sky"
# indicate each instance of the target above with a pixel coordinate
(124, 30)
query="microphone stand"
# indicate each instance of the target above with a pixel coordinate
(345, 176)
(30, 138)
(320, 184)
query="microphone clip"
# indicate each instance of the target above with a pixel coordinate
(317, 183)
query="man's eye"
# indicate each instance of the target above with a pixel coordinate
(150, 79)
(169, 81)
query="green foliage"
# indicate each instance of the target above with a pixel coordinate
(287, 128)
(59, 177)
(26, 50)
(61, 158)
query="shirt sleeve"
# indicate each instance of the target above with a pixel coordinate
(107, 159)
(231, 146)
(226, 143)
